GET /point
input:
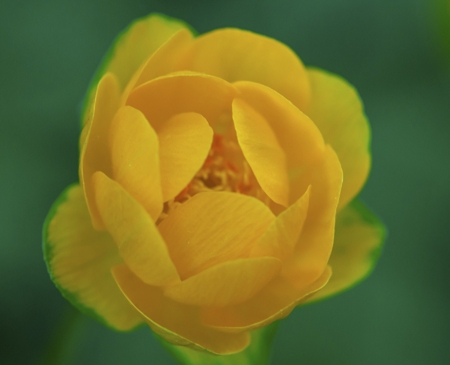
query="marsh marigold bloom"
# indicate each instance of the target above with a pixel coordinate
(217, 184)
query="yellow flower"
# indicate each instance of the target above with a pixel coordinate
(217, 175)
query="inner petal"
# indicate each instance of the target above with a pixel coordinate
(213, 227)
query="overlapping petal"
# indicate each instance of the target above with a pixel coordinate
(180, 324)
(94, 139)
(236, 55)
(79, 260)
(213, 227)
(357, 245)
(227, 283)
(184, 143)
(274, 302)
(134, 151)
(313, 248)
(337, 111)
(262, 151)
(139, 242)
(162, 98)
(296, 134)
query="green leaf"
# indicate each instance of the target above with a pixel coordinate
(257, 353)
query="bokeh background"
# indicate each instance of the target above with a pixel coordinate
(389, 49)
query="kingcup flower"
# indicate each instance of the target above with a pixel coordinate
(218, 178)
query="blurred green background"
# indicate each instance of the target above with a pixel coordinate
(388, 49)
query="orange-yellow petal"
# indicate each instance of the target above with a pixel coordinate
(274, 302)
(337, 111)
(183, 92)
(177, 323)
(94, 144)
(228, 283)
(314, 246)
(281, 237)
(357, 244)
(167, 58)
(133, 145)
(184, 144)
(139, 242)
(297, 135)
(137, 43)
(79, 260)
(213, 227)
(261, 149)
(237, 55)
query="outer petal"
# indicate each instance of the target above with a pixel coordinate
(139, 242)
(357, 246)
(237, 55)
(274, 302)
(262, 151)
(135, 159)
(184, 142)
(283, 234)
(79, 260)
(297, 135)
(211, 228)
(162, 98)
(94, 140)
(228, 283)
(315, 244)
(177, 323)
(338, 112)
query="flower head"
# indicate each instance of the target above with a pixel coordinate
(217, 176)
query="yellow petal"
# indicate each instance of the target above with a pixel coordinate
(79, 260)
(213, 227)
(184, 144)
(162, 98)
(297, 135)
(139, 242)
(177, 323)
(338, 112)
(94, 144)
(166, 59)
(262, 151)
(135, 158)
(237, 55)
(136, 43)
(274, 302)
(357, 244)
(283, 234)
(228, 283)
(314, 246)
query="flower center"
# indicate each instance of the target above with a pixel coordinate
(225, 169)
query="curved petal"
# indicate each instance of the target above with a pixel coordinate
(184, 144)
(338, 112)
(135, 159)
(176, 323)
(166, 59)
(139, 242)
(79, 260)
(262, 151)
(213, 227)
(281, 237)
(275, 301)
(357, 247)
(313, 249)
(183, 92)
(130, 50)
(94, 140)
(237, 55)
(297, 135)
(228, 283)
